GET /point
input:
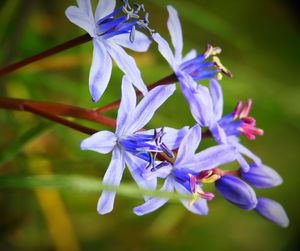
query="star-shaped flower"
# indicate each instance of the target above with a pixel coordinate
(130, 145)
(187, 165)
(111, 30)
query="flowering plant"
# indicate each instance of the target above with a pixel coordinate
(164, 154)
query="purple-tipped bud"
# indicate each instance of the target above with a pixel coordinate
(272, 211)
(261, 176)
(237, 192)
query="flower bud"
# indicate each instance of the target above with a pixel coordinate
(272, 211)
(237, 192)
(261, 176)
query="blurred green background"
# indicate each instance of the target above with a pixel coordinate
(260, 42)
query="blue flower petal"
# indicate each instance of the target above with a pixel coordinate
(175, 30)
(141, 42)
(188, 145)
(237, 192)
(155, 203)
(101, 142)
(104, 8)
(272, 211)
(100, 70)
(217, 98)
(127, 105)
(127, 64)
(261, 176)
(112, 177)
(78, 17)
(147, 107)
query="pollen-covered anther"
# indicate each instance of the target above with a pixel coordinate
(207, 176)
(211, 51)
(249, 131)
(221, 67)
(206, 195)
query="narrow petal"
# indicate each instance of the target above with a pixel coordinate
(272, 211)
(197, 207)
(188, 145)
(85, 6)
(237, 192)
(112, 177)
(261, 176)
(127, 105)
(175, 30)
(104, 8)
(173, 137)
(141, 42)
(218, 133)
(165, 50)
(127, 64)
(200, 103)
(100, 70)
(136, 167)
(78, 17)
(245, 151)
(243, 163)
(101, 142)
(148, 105)
(211, 157)
(155, 203)
(190, 55)
(217, 98)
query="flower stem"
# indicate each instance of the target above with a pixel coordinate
(69, 44)
(165, 81)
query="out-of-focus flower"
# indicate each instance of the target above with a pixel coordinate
(129, 145)
(111, 30)
(179, 175)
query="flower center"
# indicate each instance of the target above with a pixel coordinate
(238, 122)
(123, 20)
(200, 68)
(147, 147)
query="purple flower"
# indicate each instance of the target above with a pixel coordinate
(179, 174)
(261, 176)
(111, 30)
(237, 192)
(272, 211)
(207, 109)
(192, 66)
(129, 146)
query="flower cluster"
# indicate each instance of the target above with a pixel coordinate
(167, 153)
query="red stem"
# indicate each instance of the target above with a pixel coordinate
(69, 44)
(58, 119)
(165, 81)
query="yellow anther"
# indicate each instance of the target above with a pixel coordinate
(219, 76)
(221, 67)
(211, 178)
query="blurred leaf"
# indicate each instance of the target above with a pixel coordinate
(12, 150)
(83, 184)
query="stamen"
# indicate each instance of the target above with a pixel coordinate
(237, 110)
(207, 176)
(246, 109)
(159, 166)
(206, 195)
(211, 51)
(221, 67)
